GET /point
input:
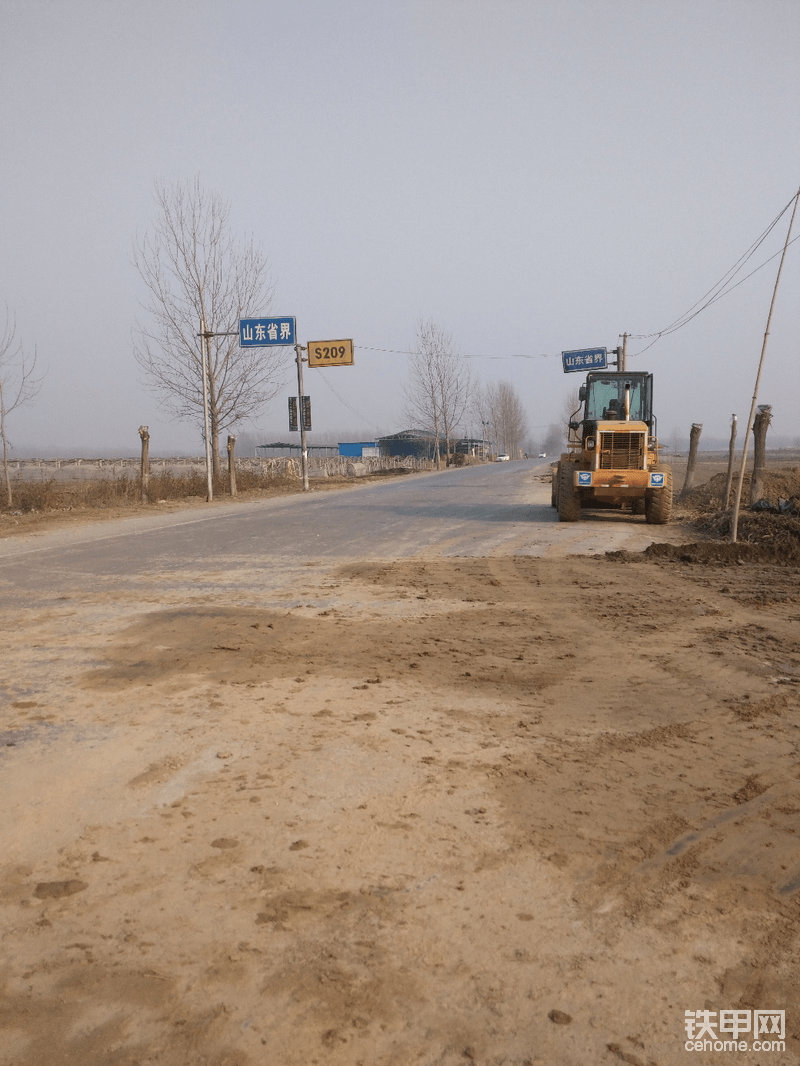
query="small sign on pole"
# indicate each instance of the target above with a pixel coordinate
(330, 353)
(584, 359)
(266, 332)
(305, 413)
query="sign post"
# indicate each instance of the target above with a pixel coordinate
(298, 348)
(274, 332)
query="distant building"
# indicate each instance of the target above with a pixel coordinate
(362, 449)
(282, 448)
(413, 443)
(472, 446)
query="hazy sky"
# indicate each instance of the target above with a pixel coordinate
(537, 175)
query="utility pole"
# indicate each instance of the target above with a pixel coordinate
(298, 348)
(204, 336)
(205, 359)
(737, 501)
(726, 496)
(623, 356)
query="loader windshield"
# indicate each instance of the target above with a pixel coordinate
(605, 396)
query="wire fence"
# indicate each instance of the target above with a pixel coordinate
(78, 469)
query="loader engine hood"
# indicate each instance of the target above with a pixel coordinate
(620, 445)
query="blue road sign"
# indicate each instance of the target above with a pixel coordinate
(262, 332)
(584, 359)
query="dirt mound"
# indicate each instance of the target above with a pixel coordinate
(778, 484)
(769, 532)
(704, 551)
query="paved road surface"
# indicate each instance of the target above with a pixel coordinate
(502, 509)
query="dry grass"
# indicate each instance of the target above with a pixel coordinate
(41, 497)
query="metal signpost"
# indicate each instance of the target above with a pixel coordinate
(585, 359)
(279, 331)
(298, 348)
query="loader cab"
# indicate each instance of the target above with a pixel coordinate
(603, 398)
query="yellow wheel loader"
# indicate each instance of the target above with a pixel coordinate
(612, 458)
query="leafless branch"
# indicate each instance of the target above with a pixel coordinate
(498, 403)
(439, 384)
(19, 384)
(196, 273)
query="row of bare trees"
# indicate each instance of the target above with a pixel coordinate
(498, 405)
(442, 395)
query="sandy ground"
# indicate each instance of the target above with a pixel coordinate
(510, 810)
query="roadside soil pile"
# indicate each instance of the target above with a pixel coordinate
(509, 811)
(769, 532)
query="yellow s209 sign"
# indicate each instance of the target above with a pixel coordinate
(330, 353)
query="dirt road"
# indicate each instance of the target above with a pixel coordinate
(439, 810)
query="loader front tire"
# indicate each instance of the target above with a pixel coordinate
(569, 502)
(658, 506)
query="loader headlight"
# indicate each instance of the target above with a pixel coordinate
(590, 443)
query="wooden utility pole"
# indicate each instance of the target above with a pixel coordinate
(726, 496)
(694, 440)
(144, 433)
(735, 515)
(232, 464)
(760, 427)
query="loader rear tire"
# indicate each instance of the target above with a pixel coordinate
(658, 506)
(555, 475)
(569, 502)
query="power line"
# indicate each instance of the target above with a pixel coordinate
(397, 351)
(722, 288)
(352, 410)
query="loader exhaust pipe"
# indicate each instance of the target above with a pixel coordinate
(627, 407)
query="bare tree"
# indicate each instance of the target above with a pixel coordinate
(498, 403)
(200, 277)
(439, 385)
(18, 385)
